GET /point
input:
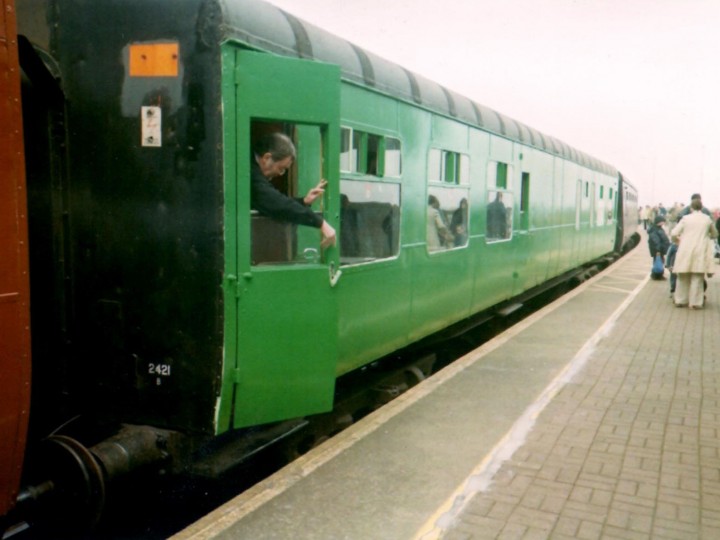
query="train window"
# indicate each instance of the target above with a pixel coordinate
(366, 153)
(348, 152)
(369, 221)
(353, 150)
(276, 235)
(434, 173)
(448, 167)
(499, 175)
(600, 209)
(464, 170)
(499, 214)
(357, 150)
(393, 157)
(372, 149)
(447, 218)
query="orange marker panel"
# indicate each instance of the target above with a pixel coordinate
(154, 60)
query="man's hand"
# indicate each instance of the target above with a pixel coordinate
(315, 192)
(329, 236)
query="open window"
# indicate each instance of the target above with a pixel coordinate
(277, 241)
(369, 204)
(448, 209)
(447, 218)
(499, 209)
(370, 154)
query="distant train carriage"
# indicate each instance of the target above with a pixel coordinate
(161, 299)
(628, 216)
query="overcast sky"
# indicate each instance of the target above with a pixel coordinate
(635, 83)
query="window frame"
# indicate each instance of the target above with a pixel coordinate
(505, 172)
(361, 145)
(453, 167)
(375, 182)
(448, 170)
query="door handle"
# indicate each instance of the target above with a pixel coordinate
(335, 275)
(311, 255)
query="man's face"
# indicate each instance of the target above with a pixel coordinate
(271, 168)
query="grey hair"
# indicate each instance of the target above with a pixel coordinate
(279, 145)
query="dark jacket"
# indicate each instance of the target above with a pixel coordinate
(271, 203)
(658, 241)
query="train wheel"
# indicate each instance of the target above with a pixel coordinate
(78, 496)
(414, 375)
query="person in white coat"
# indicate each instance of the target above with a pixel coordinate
(694, 234)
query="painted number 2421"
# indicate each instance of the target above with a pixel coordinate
(159, 369)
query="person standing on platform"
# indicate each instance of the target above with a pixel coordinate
(672, 216)
(693, 234)
(669, 264)
(658, 242)
(652, 213)
(644, 216)
(716, 247)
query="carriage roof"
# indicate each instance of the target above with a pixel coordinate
(269, 28)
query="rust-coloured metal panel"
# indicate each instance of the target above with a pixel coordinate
(14, 287)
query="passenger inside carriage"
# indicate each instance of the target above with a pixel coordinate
(438, 233)
(273, 154)
(497, 219)
(459, 224)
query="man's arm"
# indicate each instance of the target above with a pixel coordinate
(270, 202)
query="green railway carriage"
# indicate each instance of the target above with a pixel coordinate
(161, 299)
(175, 276)
(402, 139)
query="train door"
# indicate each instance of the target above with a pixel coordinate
(524, 241)
(283, 310)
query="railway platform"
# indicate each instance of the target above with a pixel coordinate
(596, 417)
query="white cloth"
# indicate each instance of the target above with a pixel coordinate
(694, 232)
(690, 290)
(435, 229)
